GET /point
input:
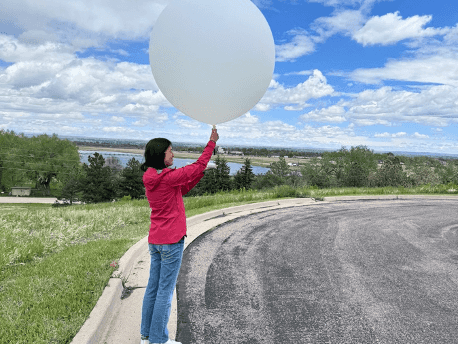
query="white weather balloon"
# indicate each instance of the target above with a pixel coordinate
(212, 59)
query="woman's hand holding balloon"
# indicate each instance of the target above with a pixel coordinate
(214, 136)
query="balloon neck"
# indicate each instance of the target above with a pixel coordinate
(214, 126)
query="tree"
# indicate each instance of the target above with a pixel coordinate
(216, 179)
(131, 182)
(449, 174)
(422, 170)
(353, 167)
(391, 173)
(319, 172)
(98, 183)
(49, 157)
(12, 170)
(245, 176)
(39, 160)
(267, 181)
(72, 184)
(280, 168)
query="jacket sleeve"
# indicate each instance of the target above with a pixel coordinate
(187, 177)
(186, 188)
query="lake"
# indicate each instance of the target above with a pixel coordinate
(125, 157)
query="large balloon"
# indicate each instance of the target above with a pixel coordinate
(212, 59)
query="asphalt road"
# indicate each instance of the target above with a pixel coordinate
(341, 272)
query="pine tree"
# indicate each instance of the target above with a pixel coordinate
(131, 183)
(223, 179)
(216, 179)
(72, 185)
(245, 176)
(98, 184)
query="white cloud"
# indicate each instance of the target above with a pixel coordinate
(452, 35)
(386, 134)
(117, 119)
(249, 129)
(37, 37)
(435, 106)
(187, 124)
(302, 72)
(391, 28)
(420, 136)
(116, 18)
(262, 107)
(337, 3)
(441, 69)
(300, 45)
(345, 22)
(46, 81)
(12, 50)
(332, 114)
(122, 130)
(139, 109)
(315, 86)
(365, 122)
(140, 123)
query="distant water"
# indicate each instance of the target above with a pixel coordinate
(125, 157)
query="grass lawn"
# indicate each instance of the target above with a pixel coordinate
(55, 262)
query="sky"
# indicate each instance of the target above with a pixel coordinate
(383, 74)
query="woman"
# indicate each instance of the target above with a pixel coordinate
(164, 190)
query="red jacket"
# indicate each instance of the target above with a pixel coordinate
(164, 192)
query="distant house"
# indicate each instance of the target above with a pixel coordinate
(220, 150)
(236, 153)
(295, 173)
(114, 163)
(21, 191)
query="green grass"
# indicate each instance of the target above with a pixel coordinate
(319, 194)
(55, 262)
(47, 301)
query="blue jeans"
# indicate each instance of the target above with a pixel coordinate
(165, 266)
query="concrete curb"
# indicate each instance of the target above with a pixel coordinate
(127, 261)
(192, 221)
(107, 307)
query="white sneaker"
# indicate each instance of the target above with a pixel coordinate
(170, 341)
(144, 341)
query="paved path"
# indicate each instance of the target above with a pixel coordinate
(27, 200)
(382, 271)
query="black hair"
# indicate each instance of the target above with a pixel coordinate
(155, 153)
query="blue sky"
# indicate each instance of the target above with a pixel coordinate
(348, 72)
